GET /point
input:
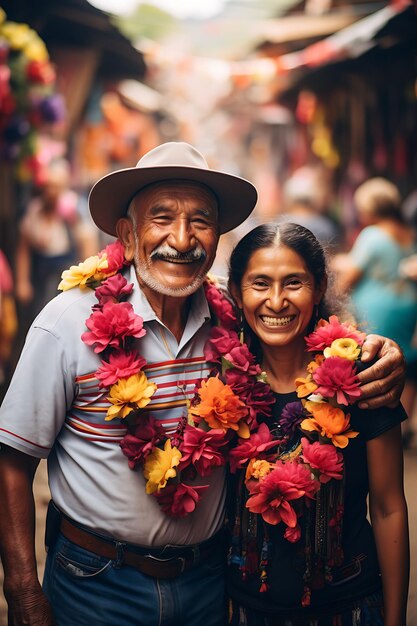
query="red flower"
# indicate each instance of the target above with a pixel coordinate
(221, 306)
(293, 534)
(40, 72)
(241, 358)
(337, 377)
(327, 332)
(220, 343)
(325, 458)
(115, 256)
(202, 449)
(271, 496)
(258, 443)
(111, 325)
(113, 289)
(179, 500)
(121, 364)
(139, 444)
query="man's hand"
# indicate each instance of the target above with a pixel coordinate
(383, 382)
(30, 607)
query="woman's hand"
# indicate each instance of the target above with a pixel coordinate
(382, 383)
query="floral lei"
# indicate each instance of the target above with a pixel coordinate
(303, 463)
(223, 410)
(221, 425)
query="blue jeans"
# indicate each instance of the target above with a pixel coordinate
(87, 590)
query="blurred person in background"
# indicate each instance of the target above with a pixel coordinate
(384, 298)
(52, 235)
(306, 198)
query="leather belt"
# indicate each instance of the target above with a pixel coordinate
(181, 559)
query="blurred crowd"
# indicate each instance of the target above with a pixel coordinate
(375, 269)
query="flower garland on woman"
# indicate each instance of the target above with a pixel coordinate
(225, 405)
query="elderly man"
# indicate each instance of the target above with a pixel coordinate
(115, 556)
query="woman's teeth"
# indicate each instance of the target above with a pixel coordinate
(276, 321)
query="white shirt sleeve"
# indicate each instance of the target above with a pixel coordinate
(41, 391)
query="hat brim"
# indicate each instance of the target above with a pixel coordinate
(110, 197)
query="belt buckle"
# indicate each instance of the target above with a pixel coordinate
(181, 560)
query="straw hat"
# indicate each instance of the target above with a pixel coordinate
(110, 197)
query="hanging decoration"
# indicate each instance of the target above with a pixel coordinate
(29, 102)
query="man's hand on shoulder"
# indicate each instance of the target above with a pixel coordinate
(382, 382)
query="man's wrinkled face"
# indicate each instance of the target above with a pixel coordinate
(176, 235)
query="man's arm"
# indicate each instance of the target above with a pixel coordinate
(383, 382)
(22, 590)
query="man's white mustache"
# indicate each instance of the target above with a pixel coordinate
(166, 252)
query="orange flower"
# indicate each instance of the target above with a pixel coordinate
(330, 422)
(313, 365)
(305, 386)
(221, 408)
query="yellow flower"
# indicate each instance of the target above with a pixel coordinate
(35, 50)
(129, 394)
(18, 35)
(346, 348)
(2, 16)
(159, 467)
(78, 275)
(258, 468)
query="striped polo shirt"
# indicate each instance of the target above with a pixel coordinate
(55, 409)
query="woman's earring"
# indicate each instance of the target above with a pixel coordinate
(241, 326)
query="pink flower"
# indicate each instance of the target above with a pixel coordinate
(327, 332)
(220, 343)
(121, 364)
(293, 534)
(179, 500)
(139, 444)
(241, 357)
(115, 256)
(113, 289)
(221, 306)
(258, 443)
(337, 377)
(202, 449)
(325, 458)
(271, 496)
(111, 325)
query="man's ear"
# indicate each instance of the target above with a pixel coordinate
(235, 293)
(124, 230)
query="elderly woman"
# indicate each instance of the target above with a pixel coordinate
(302, 550)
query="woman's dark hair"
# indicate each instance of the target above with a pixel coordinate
(300, 240)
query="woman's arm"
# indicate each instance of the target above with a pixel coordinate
(389, 517)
